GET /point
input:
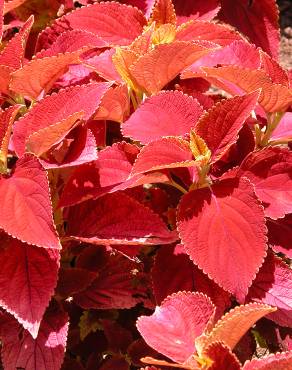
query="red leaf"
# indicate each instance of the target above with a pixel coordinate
(114, 286)
(27, 281)
(70, 41)
(273, 69)
(220, 34)
(174, 326)
(258, 21)
(156, 68)
(199, 9)
(131, 223)
(273, 286)
(1, 18)
(39, 75)
(73, 280)
(169, 152)
(169, 113)
(219, 127)
(13, 54)
(222, 356)
(215, 227)
(280, 235)
(29, 216)
(56, 107)
(113, 167)
(270, 170)
(114, 23)
(6, 122)
(278, 361)
(21, 351)
(273, 97)
(5, 73)
(42, 140)
(181, 274)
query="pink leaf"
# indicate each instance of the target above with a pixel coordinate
(284, 129)
(258, 21)
(21, 351)
(131, 223)
(270, 170)
(220, 34)
(174, 326)
(199, 9)
(40, 74)
(29, 216)
(232, 54)
(216, 229)
(169, 152)
(56, 107)
(278, 361)
(219, 127)
(114, 23)
(169, 113)
(27, 281)
(273, 286)
(156, 68)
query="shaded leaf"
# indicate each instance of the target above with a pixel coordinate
(272, 286)
(199, 9)
(21, 351)
(28, 279)
(279, 361)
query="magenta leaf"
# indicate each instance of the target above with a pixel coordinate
(29, 217)
(169, 113)
(216, 229)
(272, 286)
(199, 9)
(280, 235)
(174, 326)
(270, 171)
(46, 352)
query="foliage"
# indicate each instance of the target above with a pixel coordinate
(145, 186)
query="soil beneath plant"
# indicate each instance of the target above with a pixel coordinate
(286, 33)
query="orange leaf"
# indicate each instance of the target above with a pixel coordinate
(41, 74)
(163, 12)
(233, 325)
(165, 34)
(41, 141)
(155, 69)
(122, 60)
(273, 98)
(10, 5)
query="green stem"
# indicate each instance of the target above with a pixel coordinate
(273, 121)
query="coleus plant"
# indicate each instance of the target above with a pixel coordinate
(145, 162)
